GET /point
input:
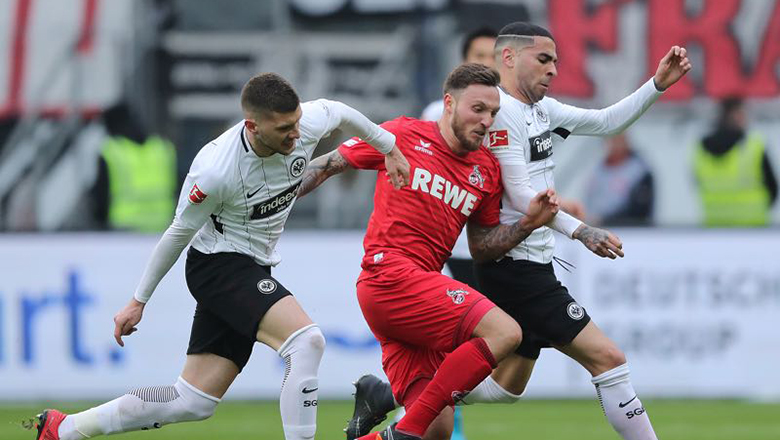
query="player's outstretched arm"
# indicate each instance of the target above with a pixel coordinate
(673, 66)
(600, 241)
(165, 254)
(491, 243)
(321, 168)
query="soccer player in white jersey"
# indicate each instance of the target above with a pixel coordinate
(234, 202)
(523, 283)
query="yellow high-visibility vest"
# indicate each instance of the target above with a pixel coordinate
(731, 186)
(142, 183)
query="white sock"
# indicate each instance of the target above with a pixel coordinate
(489, 391)
(142, 408)
(621, 405)
(302, 353)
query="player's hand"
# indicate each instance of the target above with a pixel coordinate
(673, 66)
(600, 241)
(542, 208)
(126, 320)
(397, 168)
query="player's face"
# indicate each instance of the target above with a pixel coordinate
(275, 131)
(534, 68)
(481, 52)
(473, 113)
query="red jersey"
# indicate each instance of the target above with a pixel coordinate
(423, 220)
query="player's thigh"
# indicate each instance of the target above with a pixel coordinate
(423, 309)
(283, 319)
(594, 350)
(210, 373)
(536, 299)
(513, 373)
(239, 292)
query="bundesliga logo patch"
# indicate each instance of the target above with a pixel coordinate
(498, 138)
(196, 195)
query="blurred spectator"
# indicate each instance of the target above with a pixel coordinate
(136, 181)
(736, 183)
(477, 48)
(621, 189)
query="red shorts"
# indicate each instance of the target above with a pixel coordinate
(418, 317)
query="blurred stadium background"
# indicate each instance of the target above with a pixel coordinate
(695, 308)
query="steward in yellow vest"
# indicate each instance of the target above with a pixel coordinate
(736, 182)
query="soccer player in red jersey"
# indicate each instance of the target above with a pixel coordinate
(439, 337)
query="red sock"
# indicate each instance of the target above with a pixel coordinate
(461, 371)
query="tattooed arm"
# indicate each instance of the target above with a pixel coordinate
(320, 169)
(600, 241)
(491, 243)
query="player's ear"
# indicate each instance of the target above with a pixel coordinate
(508, 56)
(250, 125)
(449, 103)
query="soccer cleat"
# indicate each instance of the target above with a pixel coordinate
(390, 433)
(373, 400)
(48, 424)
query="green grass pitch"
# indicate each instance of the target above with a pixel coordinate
(529, 419)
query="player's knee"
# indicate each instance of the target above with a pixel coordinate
(312, 341)
(316, 340)
(610, 357)
(199, 411)
(194, 404)
(513, 335)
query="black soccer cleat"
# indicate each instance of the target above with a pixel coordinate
(373, 400)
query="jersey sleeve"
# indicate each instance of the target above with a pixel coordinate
(361, 155)
(322, 116)
(566, 119)
(506, 140)
(200, 194)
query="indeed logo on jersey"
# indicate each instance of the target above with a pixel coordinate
(444, 190)
(541, 146)
(275, 204)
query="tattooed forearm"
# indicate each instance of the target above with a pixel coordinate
(320, 169)
(488, 244)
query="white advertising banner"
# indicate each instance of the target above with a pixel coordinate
(695, 312)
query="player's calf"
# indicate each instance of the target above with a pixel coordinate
(302, 352)
(621, 406)
(140, 409)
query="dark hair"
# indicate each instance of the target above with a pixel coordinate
(268, 92)
(468, 74)
(524, 29)
(728, 106)
(483, 32)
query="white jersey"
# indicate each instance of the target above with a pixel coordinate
(236, 201)
(521, 138)
(240, 201)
